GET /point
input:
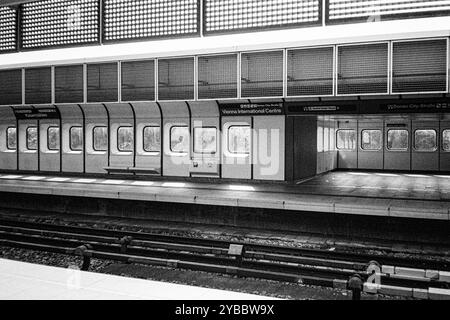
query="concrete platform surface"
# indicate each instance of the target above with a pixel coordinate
(25, 281)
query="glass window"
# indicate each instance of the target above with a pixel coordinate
(152, 139)
(371, 139)
(11, 138)
(425, 140)
(326, 139)
(397, 140)
(346, 139)
(205, 140)
(100, 137)
(125, 139)
(32, 137)
(179, 139)
(239, 139)
(446, 140)
(76, 139)
(319, 139)
(53, 138)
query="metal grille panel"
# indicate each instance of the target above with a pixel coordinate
(102, 82)
(38, 86)
(310, 72)
(419, 66)
(232, 15)
(176, 79)
(262, 74)
(371, 10)
(138, 80)
(8, 27)
(363, 69)
(69, 84)
(148, 19)
(52, 23)
(11, 87)
(217, 77)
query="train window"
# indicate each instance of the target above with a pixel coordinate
(371, 140)
(152, 139)
(53, 138)
(346, 139)
(425, 140)
(125, 139)
(239, 139)
(76, 139)
(397, 140)
(32, 137)
(446, 140)
(100, 137)
(179, 139)
(205, 140)
(11, 138)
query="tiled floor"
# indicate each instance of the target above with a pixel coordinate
(25, 281)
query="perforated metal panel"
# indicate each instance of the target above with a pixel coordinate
(231, 15)
(102, 82)
(217, 77)
(8, 27)
(262, 74)
(419, 66)
(310, 72)
(38, 86)
(11, 87)
(69, 84)
(363, 69)
(52, 23)
(146, 19)
(374, 10)
(138, 80)
(176, 79)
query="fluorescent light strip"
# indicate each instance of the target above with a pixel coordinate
(58, 179)
(174, 184)
(33, 178)
(112, 182)
(10, 177)
(143, 183)
(241, 188)
(85, 180)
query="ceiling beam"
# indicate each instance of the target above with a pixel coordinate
(4, 3)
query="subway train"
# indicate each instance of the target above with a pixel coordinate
(263, 113)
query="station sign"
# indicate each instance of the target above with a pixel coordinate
(321, 109)
(416, 107)
(252, 109)
(34, 113)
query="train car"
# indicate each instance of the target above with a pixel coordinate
(273, 105)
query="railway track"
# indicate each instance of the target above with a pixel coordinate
(289, 264)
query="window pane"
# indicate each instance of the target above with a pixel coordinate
(100, 137)
(125, 139)
(38, 85)
(138, 80)
(346, 139)
(425, 140)
(205, 140)
(446, 140)
(102, 82)
(319, 139)
(11, 138)
(32, 138)
(76, 139)
(152, 139)
(53, 138)
(239, 139)
(179, 139)
(397, 140)
(371, 139)
(69, 84)
(10, 86)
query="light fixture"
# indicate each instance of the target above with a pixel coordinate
(241, 188)
(174, 184)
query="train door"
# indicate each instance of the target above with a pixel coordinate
(237, 143)
(370, 148)
(397, 145)
(346, 144)
(121, 132)
(96, 123)
(205, 139)
(445, 145)
(176, 141)
(50, 145)
(28, 145)
(73, 138)
(425, 145)
(8, 139)
(148, 138)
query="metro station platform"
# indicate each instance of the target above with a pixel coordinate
(362, 193)
(25, 281)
